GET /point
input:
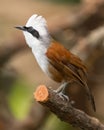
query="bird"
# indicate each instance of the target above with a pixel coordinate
(53, 58)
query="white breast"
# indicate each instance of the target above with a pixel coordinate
(41, 58)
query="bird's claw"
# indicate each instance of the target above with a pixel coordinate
(65, 97)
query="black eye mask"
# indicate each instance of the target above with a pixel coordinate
(33, 31)
(30, 29)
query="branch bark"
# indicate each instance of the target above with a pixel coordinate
(65, 110)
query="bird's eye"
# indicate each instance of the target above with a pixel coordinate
(33, 31)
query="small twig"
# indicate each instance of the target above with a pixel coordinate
(64, 109)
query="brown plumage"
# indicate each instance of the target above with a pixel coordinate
(65, 66)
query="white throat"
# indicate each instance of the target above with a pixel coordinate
(40, 54)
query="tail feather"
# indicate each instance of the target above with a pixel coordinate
(90, 97)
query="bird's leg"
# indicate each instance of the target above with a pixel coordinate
(62, 87)
(61, 90)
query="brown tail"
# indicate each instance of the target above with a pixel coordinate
(90, 97)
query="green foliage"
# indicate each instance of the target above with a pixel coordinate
(19, 99)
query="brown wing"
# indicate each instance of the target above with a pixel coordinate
(70, 66)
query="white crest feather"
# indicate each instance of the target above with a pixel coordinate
(36, 20)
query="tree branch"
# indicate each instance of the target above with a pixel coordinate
(93, 43)
(64, 109)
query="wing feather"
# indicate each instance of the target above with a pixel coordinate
(68, 64)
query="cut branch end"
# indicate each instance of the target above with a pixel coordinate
(41, 94)
(64, 110)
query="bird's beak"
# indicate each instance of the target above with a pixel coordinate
(23, 28)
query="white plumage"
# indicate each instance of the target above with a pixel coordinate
(38, 46)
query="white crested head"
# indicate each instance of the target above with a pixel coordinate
(36, 21)
(36, 33)
(37, 38)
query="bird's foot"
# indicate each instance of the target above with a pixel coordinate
(64, 97)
